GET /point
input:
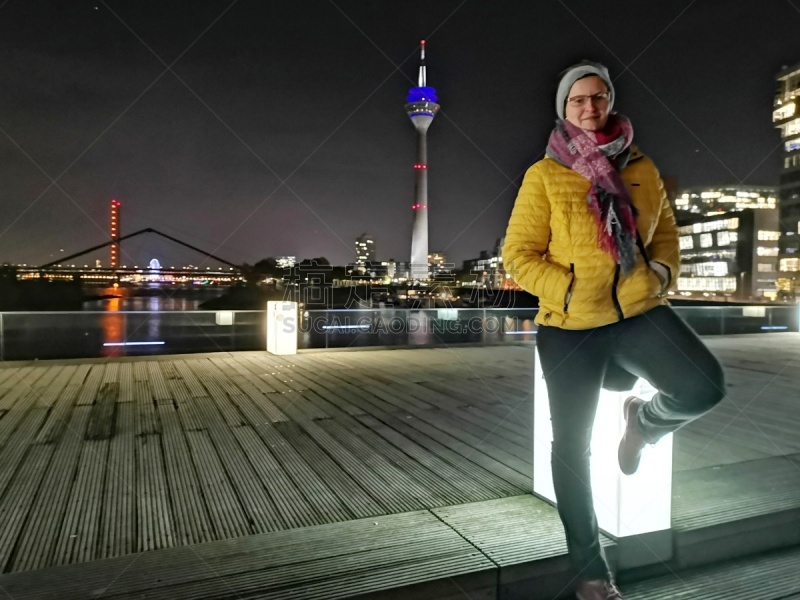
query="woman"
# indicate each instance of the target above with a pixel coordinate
(593, 236)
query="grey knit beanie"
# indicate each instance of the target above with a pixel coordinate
(579, 71)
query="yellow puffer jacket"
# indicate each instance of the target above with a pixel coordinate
(551, 247)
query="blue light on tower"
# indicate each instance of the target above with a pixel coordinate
(421, 107)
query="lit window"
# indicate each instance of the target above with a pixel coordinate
(763, 251)
(686, 242)
(706, 240)
(707, 284)
(723, 238)
(766, 268)
(766, 236)
(792, 145)
(789, 265)
(783, 112)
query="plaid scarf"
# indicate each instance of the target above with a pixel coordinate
(608, 199)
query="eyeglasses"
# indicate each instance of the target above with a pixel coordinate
(599, 99)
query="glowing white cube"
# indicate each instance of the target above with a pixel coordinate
(224, 317)
(282, 327)
(625, 505)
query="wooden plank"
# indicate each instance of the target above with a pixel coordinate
(58, 385)
(466, 409)
(238, 371)
(302, 407)
(78, 539)
(192, 525)
(8, 377)
(21, 389)
(468, 489)
(339, 483)
(224, 510)
(723, 494)
(17, 446)
(285, 374)
(16, 503)
(185, 405)
(58, 417)
(330, 561)
(101, 417)
(469, 441)
(140, 371)
(17, 413)
(327, 503)
(187, 374)
(483, 470)
(389, 464)
(388, 491)
(146, 417)
(252, 496)
(125, 377)
(158, 382)
(80, 374)
(338, 401)
(91, 385)
(155, 527)
(290, 504)
(218, 402)
(118, 511)
(770, 577)
(111, 373)
(36, 543)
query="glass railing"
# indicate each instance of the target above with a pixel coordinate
(48, 335)
(44, 335)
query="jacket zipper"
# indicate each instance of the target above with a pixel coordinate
(617, 307)
(568, 295)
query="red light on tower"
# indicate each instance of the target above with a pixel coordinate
(115, 204)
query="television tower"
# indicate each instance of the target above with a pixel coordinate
(421, 107)
(115, 204)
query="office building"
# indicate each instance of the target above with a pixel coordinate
(786, 118)
(365, 251)
(732, 255)
(721, 199)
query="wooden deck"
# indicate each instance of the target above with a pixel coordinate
(108, 459)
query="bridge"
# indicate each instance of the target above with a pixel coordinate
(60, 270)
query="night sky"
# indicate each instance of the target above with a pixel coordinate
(262, 128)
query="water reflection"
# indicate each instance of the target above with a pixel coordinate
(398, 327)
(113, 327)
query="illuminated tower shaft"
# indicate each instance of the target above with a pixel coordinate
(115, 204)
(421, 108)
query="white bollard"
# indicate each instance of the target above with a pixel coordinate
(282, 327)
(635, 510)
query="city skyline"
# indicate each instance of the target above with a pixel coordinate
(193, 116)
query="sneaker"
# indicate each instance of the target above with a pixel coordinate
(632, 443)
(598, 589)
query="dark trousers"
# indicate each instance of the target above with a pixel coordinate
(657, 346)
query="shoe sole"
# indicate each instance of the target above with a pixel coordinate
(626, 410)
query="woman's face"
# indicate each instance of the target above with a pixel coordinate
(584, 108)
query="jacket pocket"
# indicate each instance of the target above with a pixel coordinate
(654, 283)
(568, 295)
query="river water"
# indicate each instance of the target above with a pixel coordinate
(183, 301)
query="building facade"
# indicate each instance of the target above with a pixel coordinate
(731, 255)
(365, 251)
(709, 201)
(786, 118)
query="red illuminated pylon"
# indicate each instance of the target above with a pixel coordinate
(115, 204)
